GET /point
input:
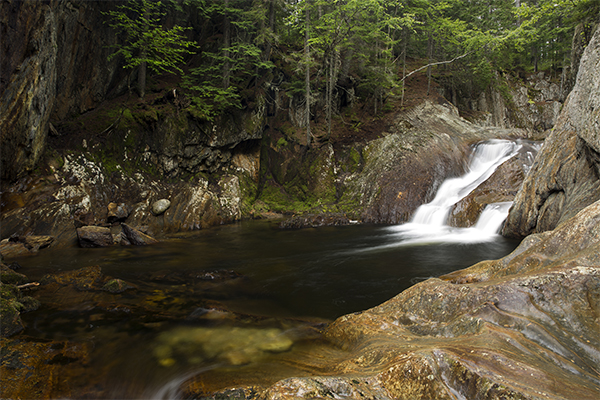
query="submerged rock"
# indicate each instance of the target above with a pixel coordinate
(116, 286)
(315, 220)
(82, 279)
(55, 364)
(234, 345)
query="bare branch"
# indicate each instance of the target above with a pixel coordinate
(436, 63)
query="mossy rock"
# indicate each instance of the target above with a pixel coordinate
(116, 286)
(8, 276)
(12, 304)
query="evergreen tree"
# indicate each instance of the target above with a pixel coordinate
(147, 43)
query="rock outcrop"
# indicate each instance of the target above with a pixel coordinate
(79, 193)
(533, 103)
(565, 177)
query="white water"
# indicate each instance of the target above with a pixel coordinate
(429, 224)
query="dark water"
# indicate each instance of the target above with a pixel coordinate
(309, 274)
(323, 272)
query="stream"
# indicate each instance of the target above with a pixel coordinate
(226, 302)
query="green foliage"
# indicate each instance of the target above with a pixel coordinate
(230, 58)
(146, 40)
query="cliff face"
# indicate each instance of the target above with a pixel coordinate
(565, 177)
(54, 63)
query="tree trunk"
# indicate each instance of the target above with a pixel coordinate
(272, 29)
(404, 45)
(226, 45)
(429, 56)
(330, 79)
(307, 74)
(142, 79)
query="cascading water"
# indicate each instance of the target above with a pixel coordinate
(429, 224)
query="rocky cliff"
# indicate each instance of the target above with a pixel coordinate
(565, 177)
(54, 64)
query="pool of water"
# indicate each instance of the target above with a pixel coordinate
(264, 278)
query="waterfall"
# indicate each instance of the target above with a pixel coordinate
(429, 223)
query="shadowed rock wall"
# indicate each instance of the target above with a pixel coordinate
(54, 63)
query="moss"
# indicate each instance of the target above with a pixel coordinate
(281, 143)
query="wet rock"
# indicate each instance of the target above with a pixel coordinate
(82, 279)
(160, 206)
(136, 237)
(18, 246)
(94, 236)
(10, 249)
(565, 176)
(117, 212)
(315, 220)
(116, 286)
(502, 186)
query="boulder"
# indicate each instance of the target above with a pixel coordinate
(160, 206)
(136, 237)
(18, 246)
(10, 249)
(94, 236)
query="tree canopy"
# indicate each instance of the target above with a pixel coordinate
(327, 53)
